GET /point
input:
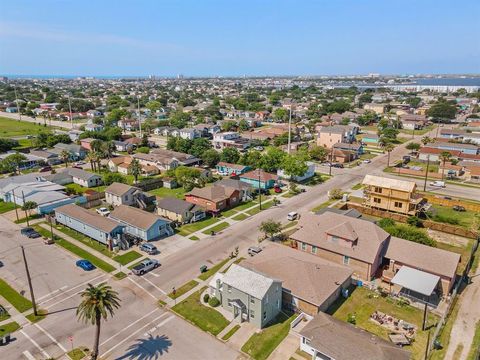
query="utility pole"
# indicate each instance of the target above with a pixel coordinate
(330, 162)
(70, 108)
(51, 227)
(139, 120)
(15, 203)
(259, 190)
(426, 174)
(26, 214)
(29, 282)
(289, 129)
(16, 101)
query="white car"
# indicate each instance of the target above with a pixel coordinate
(103, 211)
(79, 163)
(367, 161)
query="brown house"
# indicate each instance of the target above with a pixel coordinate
(214, 198)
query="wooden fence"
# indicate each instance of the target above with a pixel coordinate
(450, 203)
(150, 184)
(419, 173)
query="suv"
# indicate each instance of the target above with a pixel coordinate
(103, 211)
(149, 248)
(30, 233)
(145, 266)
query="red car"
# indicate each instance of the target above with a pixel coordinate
(277, 189)
(45, 169)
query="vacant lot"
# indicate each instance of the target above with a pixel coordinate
(467, 219)
(165, 192)
(11, 128)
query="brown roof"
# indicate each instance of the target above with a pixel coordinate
(264, 176)
(306, 276)
(340, 340)
(232, 166)
(119, 189)
(314, 229)
(121, 159)
(88, 217)
(430, 150)
(135, 217)
(213, 193)
(422, 257)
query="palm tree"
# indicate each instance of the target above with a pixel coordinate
(444, 156)
(91, 158)
(65, 156)
(426, 140)
(388, 148)
(108, 148)
(97, 157)
(98, 302)
(135, 169)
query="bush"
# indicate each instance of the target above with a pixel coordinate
(143, 150)
(352, 319)
(335, 194)
(445, 219)
(213, 301)
(414, 221)
(206, 297)
(386, 222)
(409, 233)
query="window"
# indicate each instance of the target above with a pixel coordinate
(264, 315)
(398, 204)
(252, 300)
(346, 260)
(377, 200)
(252, 314)
(304, 246)
(306, 341)
(229, 289)
(378, 189)
(314, 249)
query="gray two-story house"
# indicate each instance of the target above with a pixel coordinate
(249, 295)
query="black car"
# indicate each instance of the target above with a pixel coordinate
(338, 165)
(459, 208)
(30, 233)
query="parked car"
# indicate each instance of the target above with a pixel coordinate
(45, 169)
(367, 161)
(338, 165)
(30, 233)
(406, 159)
(258, 148)
(459, 208)
(48, 241)
(103, 211)
(1, 264)
(254, 250)
(85, 265)
(277, 189)
(291, 216)
(438, 183)
(145, 266)
(80, 163)
(149, 248)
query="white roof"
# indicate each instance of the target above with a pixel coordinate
(416, 280)
(389, 183)
(248, 281)
(217, 276)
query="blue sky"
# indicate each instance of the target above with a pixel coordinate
(238, 37)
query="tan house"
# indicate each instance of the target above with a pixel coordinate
(356, 243)
(121, 194)
(391, 194)
(121, 164)
(377, 108)
(331, 135)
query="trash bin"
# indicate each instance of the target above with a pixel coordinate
(203, 268)
(7, 338)
(2, 341)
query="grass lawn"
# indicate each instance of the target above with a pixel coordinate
(217, 228)
(188, 229)
(323, 205)
(179, 193)
(128, 257)
(13, 297)
(9, 328)
(183, 289)
(30, 217)
(78, 189)
(229, 213)
(240, 217)
(417, 132)
(261, 344)
(194, 238)
(4, 315)
(95, 245)
(204, 317)
(238, 261)
(357, 186)
(230, 333)
(444, 336)
(10, 127)
(256, 209)
(288, 194)
(120, 275)
(42, 314)
(6, 206)
(76, 354)
(204, 276)
(76, 250)
(316, 179)
(466, 219)
(245, 205)
(363, 302)
(474, 349)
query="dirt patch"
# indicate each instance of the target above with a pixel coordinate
(448, 238)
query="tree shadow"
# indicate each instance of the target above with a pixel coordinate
(150, 348)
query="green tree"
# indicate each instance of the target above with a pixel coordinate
(272, 159)
(108, 148)
(230, 155)
(252, 158)
(243, 125)
(270, 227)
(413, 146)
(12, 162)
(294, 165)
(211, 157)
(389, 148)
(7, 144)
(426, 140)
(115, 115)
(135, 169)
(153, 105)
(28, 207)
(98, 303)
(65, 156)
(229, 125)
(280, 115)
(442, 110)
(318, 153)
(199, 146)
(444, 156)
(188, 177)
(109, 178)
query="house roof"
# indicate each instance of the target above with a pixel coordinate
(314, 229)
(233, 183)
(232, 166)
(416, 280)
(435, 151)
(422, 257)
(213, 193)
(174, 205)
(80, 174)
(88, 217)
(121, 159)
(306, 276)
(256, 174)
(119, 189)
(136, 217)
(248, 281)
(388, 183)
(339, 340)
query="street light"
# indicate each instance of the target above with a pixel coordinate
(426, 173)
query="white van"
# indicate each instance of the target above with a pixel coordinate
(438, 184)
(291, 216)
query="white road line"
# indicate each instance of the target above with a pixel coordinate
(67, 298)
(72, 288)
(29, 356)
(155, 286)
(133, 334)
(51, 337)
(158, 326)
(143, 317)
(36, 344)
(141, 287)
(52, 293)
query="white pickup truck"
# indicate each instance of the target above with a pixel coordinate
(437, 183)
(145, 266)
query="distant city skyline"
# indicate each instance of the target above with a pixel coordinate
(252, 38)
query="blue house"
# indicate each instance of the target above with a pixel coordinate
(102, 229)
(229, 169)
(259, 179)
(142, 224)
(464, 148)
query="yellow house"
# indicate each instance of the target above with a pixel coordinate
(377, 108)
(391, 194)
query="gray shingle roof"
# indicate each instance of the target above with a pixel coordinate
(248, 281)
(174, 205)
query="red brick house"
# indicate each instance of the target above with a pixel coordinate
(214, 198)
